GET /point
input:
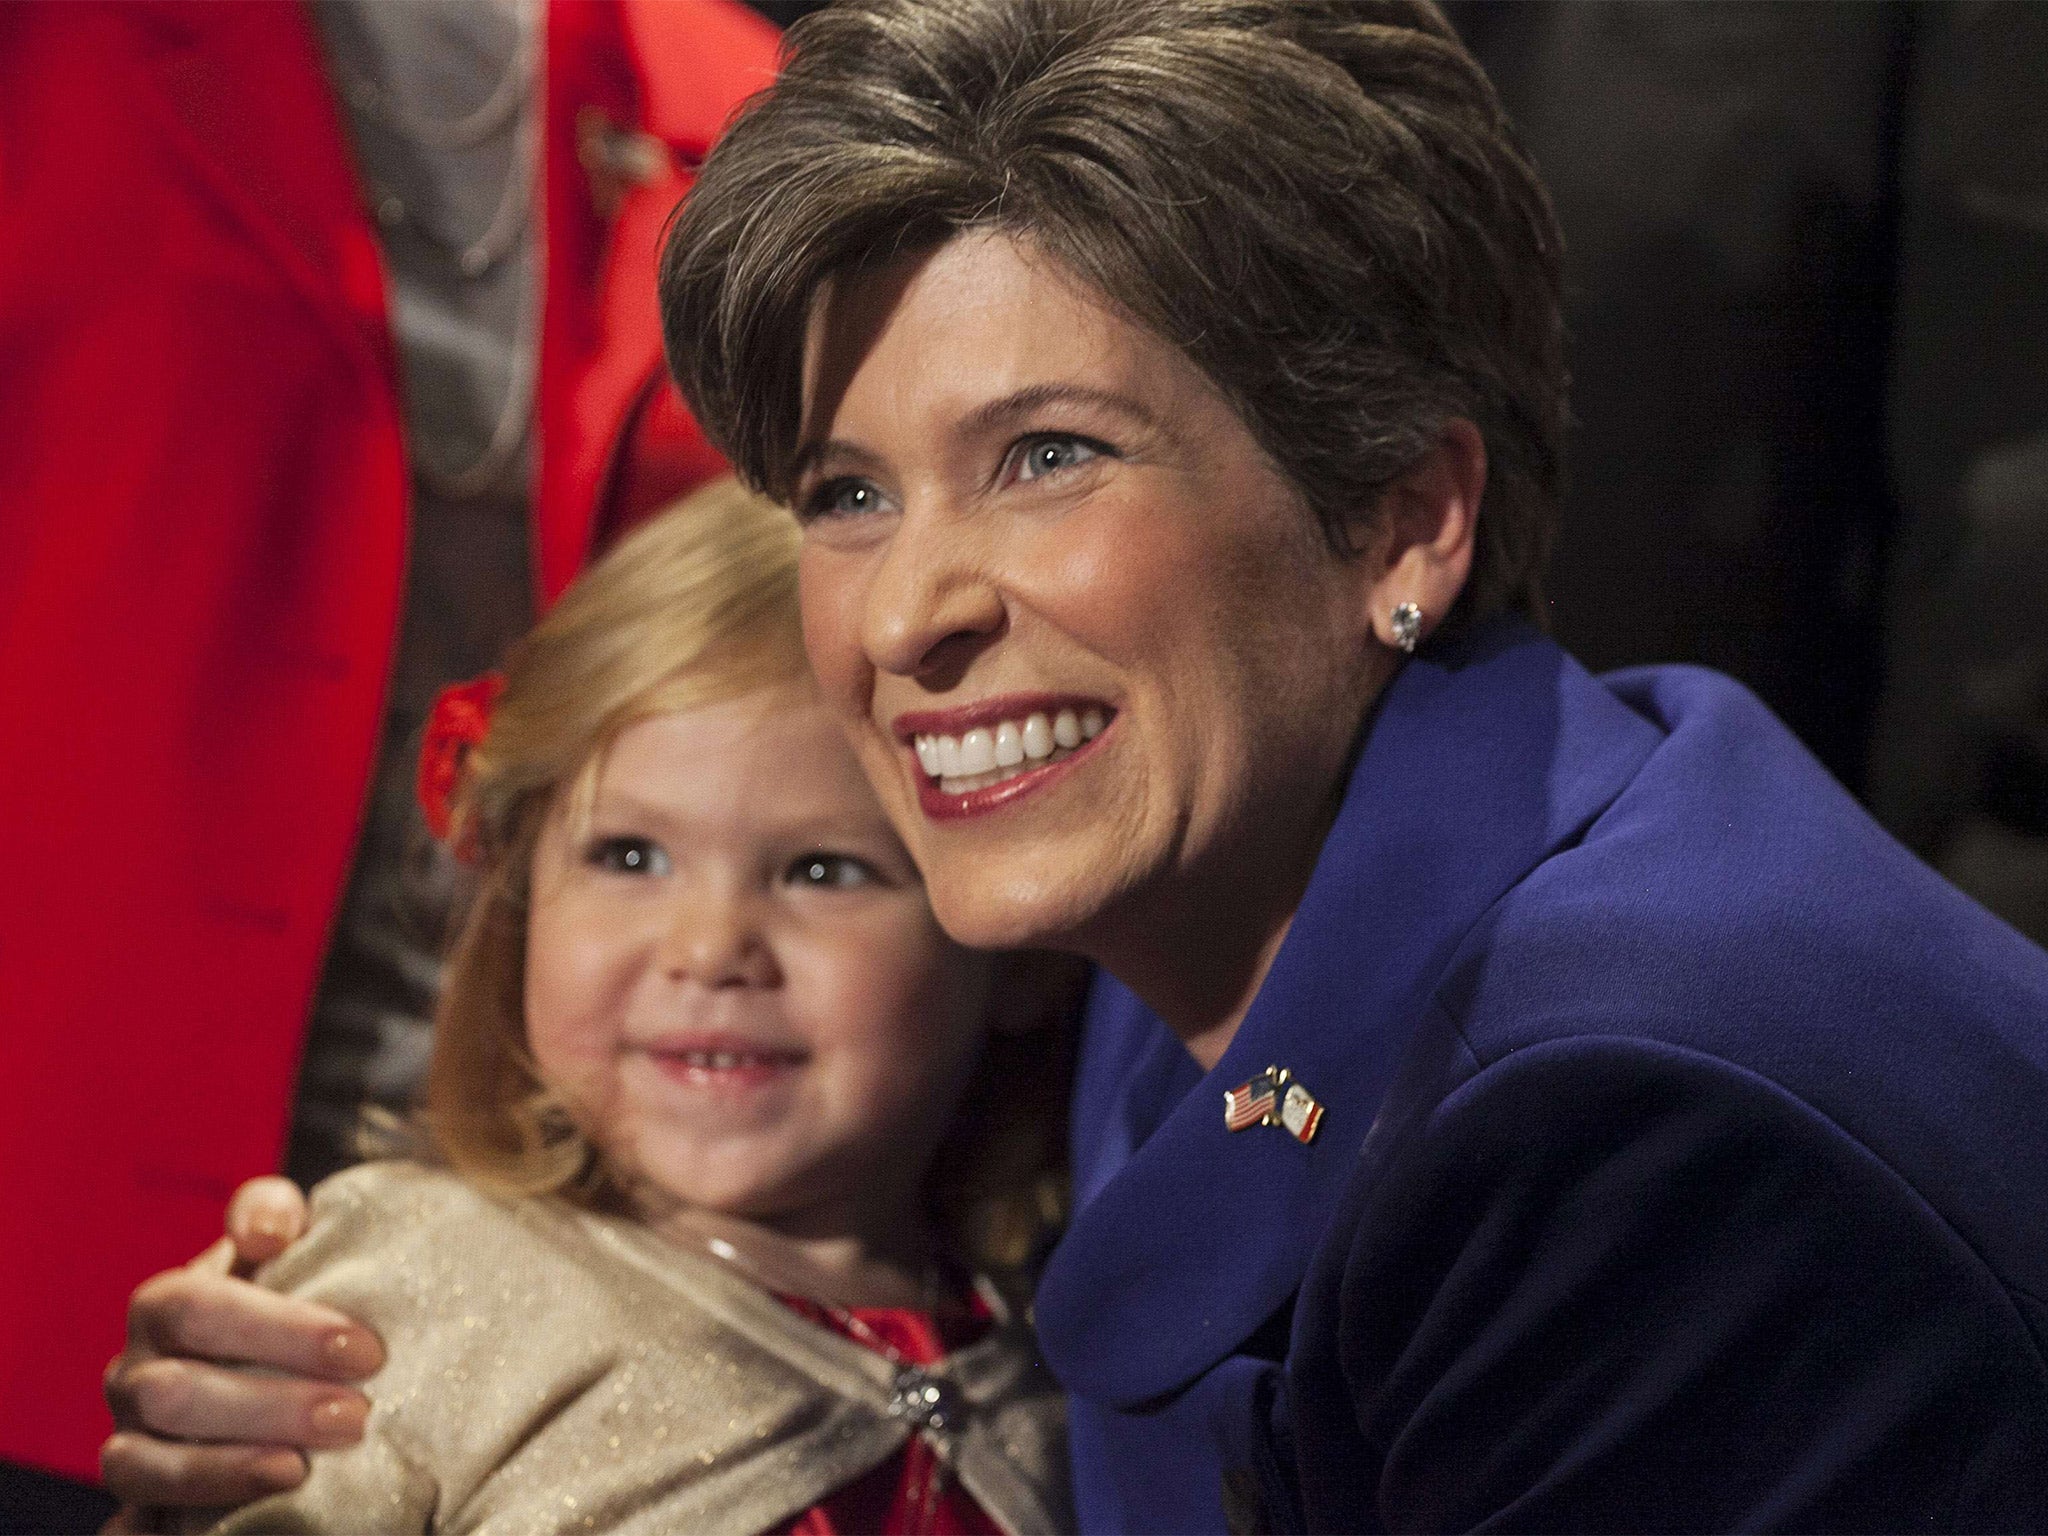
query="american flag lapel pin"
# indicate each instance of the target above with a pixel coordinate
(1273, 1098)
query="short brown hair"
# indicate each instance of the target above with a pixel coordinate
(1319, 202)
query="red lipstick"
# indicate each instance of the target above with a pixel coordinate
(939, 805)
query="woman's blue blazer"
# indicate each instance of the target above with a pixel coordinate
(1684, 1162)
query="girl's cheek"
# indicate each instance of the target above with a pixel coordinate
(572, 1016)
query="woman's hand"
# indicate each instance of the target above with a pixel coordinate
(192, 1431)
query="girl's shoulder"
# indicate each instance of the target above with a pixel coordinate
(454, 1276)
(373, 1215)
(364, 1197)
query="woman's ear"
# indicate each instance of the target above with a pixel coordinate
(1421, 553)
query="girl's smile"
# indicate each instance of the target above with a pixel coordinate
(734, 980)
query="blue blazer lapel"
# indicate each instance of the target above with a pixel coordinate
(1481, 761)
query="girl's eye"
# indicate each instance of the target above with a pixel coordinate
(628, 856)
(843, 498)
(1041, 456)
(831, 871)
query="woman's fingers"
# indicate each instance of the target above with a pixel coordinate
(141, 1471)
(194, 1312)
(191, 1400)
(265, 1217)
(193, 1432)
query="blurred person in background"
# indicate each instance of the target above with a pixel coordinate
(1959, 758)
(1805, 249)
(328, 347)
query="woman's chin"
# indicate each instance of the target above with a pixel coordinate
(995, 914)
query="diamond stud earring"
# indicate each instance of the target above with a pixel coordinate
(1407, 626)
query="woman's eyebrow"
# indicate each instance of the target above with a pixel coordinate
(1004, 411)
(815, 452)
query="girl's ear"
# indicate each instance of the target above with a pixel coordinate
(1036, 989)
(1428, 521)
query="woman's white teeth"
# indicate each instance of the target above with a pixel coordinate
(983, 756)
(1009, 745)
(1037, 737)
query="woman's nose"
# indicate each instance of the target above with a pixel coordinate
(929, 606)
(717, 939)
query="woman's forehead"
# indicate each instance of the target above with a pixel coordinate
(952, 331)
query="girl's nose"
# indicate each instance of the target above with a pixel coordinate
(717, 940)
(929, 606)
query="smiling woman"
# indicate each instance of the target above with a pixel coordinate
(1051, 511)
(1150, 377)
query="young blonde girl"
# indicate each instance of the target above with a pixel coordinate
(717, 1119)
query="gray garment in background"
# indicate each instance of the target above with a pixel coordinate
(464, 341)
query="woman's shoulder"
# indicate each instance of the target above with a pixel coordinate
(1731, 885)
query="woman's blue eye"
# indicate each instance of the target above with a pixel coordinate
(628, 856)
(831, 871)
(1048, 455)
(843, 498)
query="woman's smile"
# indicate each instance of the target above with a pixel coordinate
(978, 758)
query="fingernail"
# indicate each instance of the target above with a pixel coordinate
(339, 1420)
(352, 1352)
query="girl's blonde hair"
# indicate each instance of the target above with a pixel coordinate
(695, 607)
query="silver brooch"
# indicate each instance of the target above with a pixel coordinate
(928, 1401)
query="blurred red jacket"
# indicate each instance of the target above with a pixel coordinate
(202, 541)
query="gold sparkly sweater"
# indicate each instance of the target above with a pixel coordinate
(554, 1370)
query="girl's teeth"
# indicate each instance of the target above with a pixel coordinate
(949, 758)
(928, 755)
(1066, 730)
(977, 752)
(1091, 725)
(715, 1061)
(1037, 737)
(1009, 745)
